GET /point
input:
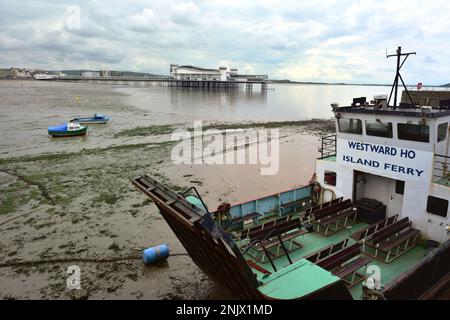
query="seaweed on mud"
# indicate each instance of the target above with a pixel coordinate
(152, 130)
(108, 198)
(41, 187)
(321, 124)
(59, 156)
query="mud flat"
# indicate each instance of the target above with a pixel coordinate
(67, 202)
(73, 208)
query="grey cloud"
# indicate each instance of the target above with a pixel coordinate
(281, 38)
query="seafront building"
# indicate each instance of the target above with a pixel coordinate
(19, 73)
(188, 72)
(90, 74)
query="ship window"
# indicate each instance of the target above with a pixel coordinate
(437, 206)
(379, 129)
(442, 131)
(399, 187)
(330, 178)
(413, 132)
(349, 125)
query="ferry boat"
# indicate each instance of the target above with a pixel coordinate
(372, 224)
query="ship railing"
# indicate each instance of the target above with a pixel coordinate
(266, 252)
(441, 167)
(328, 147)
(429, 89)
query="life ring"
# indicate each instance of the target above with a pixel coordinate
(319, 191)
(317, 188)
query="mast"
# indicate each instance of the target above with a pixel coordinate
(394, 88)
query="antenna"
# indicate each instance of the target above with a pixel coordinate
(399, 54)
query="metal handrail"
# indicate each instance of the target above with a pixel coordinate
(267, 236)
(328, 148)
(199, 197)
(443, 170)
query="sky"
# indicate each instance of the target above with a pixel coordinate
(321, 40)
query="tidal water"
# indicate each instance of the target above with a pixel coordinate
(281, 102)
(27, 108)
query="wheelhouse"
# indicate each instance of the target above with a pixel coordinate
(398, 157)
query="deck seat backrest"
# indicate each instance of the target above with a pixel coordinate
(338, 258)
(372, 229)
(339, 246)
(324, 252)
(267, 225)
(315, 208)
(322, 212)
(289, 225)
(246, 232)
(281, 220)
(327, 204)
(334, 209)
(375, 227)
(281, 228)
(332, 249)
(324, 205)
(332, 202)
(342, 205)
(335, 201)
(390, 230)
(391, 220)
(253, 229)
(326, 211)
(345, 205)
(313, 257)
(359, 235)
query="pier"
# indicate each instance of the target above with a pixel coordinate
(167, 82)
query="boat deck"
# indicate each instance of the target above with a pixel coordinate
(330, 158)
(314, 241)
(443, 181)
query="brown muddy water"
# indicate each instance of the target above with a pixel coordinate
(69, 201)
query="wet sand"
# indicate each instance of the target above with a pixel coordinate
(81, 204)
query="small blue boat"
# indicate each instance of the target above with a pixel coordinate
(96, 119)
(67, 130)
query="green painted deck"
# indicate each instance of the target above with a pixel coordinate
(443, 181)
(332, 158)
(278, 285)
(389, 271)
(312, 242)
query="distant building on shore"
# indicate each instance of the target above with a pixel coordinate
(90, 74)
(186, 72)
(105, 73)
(19, 73)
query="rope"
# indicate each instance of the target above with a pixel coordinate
(66, 260)
(20, 215)
(44, 191)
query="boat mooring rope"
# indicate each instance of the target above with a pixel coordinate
(19, 215)
(42, 188)
(32, 263)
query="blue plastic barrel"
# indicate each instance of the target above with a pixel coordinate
(155, 254)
